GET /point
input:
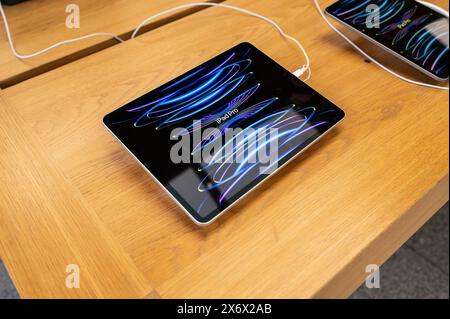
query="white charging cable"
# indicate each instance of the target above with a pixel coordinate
(298, 73)
(366, 55)
(27, 56)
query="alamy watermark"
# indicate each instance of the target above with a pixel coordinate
(73, 276)
(74, 18)
(230, 146)
(373, 17)
(373, 279)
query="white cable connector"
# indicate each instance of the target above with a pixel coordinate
(298, 73)
(366, 55)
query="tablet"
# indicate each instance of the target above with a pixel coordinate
(408, 29)
(213, 134)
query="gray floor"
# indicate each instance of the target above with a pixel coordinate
(7, 289)
(420, 269)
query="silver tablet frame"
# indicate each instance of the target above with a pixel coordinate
(240, 198)
(389, 50)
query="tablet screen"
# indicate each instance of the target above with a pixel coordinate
(214, 133)
(408, 28)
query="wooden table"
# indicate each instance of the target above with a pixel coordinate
(39, 24)
(71, 194)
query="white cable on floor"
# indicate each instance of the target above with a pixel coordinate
(298, 73)
(357, 48)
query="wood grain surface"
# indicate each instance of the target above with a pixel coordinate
(350, 200)
(60, 228)
(36, 25)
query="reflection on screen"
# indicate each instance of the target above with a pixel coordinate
(407, 27)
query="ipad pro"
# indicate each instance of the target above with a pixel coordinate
(406, 28)
(213, 134)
